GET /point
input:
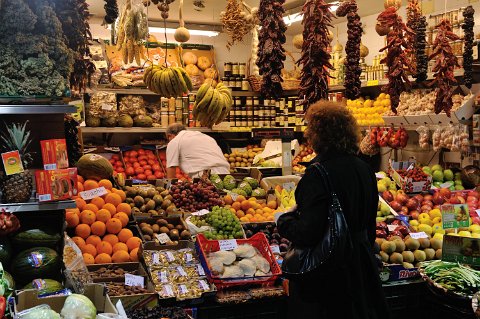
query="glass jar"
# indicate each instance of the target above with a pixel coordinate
(164, 119)
(235, 69)
(238, 83)
(227, 69)
(171, 118)
(242, 67)
(245, 85)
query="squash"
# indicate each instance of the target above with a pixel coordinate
(143, 121)
(298, 41)
(181, 34)
(204, 63)
(192, 69)
(392, 3)
(94, 166)
(189, 58)
(210, 73)
(363, 50)
(125, 120)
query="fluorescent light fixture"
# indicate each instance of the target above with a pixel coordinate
(296, 17)
(204, 33)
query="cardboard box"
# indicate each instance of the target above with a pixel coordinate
(407, 184)
(54, 154)
(129, 267)
(26, 299)
(394, 272)
(59, 184)
(174, 220)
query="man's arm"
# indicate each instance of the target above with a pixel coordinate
(171, 172)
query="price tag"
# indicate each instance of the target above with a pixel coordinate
(138, 181)
(134, 281)
(12, 163)
(275, 249)
(201, 212)
(204, 285)
(156, 259)
(107, 107)
(379, 175)
(234, 196)
(446, 184)
(181, 271)
(162, 238)
(411, 167)
(418, 235)
(50, 167)
(372, 83)
(392, 227)
(227, 244)
(288, 186)
(96, 192)
(200, 270)
(44, 197)
(170, 256)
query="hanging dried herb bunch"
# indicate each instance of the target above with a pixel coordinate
(468, 37)
(445, 63)
(396, 60)
(315, 59)
(236, 22)
(111, 11)
(271, 53)
(352, 63)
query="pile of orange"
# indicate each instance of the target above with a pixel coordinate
(100, 223)
(251, 210)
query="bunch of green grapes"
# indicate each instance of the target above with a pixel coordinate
(198, 221)
(226, 224)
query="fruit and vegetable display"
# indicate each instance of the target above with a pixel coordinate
(156, 201)
(369, 112)
(441, 176)
(111, 271)
(251, 210)
(242, 158)
(249, 186)
(167, 81)
(212, 104)
(285, 198)
(200, 68)
(271, 233)
(223, 222)
(194, 196)
(142, 164)
(151, 228)
(306, 155)
(179, 174)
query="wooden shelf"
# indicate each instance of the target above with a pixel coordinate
(34, 206)
(37, 109)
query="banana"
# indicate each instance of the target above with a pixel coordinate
(166, 85)
(187, 79)
(202, 91)
(178, 83)
(152, 83)
(157, 79)
(214, 109)
(203, 104)
(173, 82)
(181, 80)
(223, 112)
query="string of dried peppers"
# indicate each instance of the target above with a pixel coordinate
(418, 24)
(111, 11)
(468, 37)
(352, 66)
(390, 23)
(315, 59)
(445, 63)
(271, 53)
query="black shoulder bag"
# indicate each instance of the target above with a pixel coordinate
(332, 250)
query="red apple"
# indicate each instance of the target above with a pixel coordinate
(438, 199)
(454, 200)
(412, 203)
(404, 210)
(413, 212)
(445, 192)
(473, 193)
(420, 198)
(414, 215)
(428, 197)
(425, 208)
(402, 198)
(396, 206)
(427, 203)
(387, 196)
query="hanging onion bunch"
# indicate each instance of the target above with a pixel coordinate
(467, 26)
(238, 20)
(111, 11)
(271, 53)
(352, 63)
(396, 60)
(445, 63)
(132, 31)
(315, 59)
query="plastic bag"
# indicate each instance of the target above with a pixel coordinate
(366, 146)
(447, 135)
(464, 138)
(423, 137)
(456, 142)
(75, 269)
(437, 138)
(132, 105)
(103, 105)
(38, 312)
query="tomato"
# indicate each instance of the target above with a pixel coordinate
(158, 174)
(147, 167)
(148, 152)
(142, 177)
(151, 162)
(126, 154)
(130, 171)
(142, 158)
(116, 157)
(143, 163)
(118, 163)
(151, 156)
(141, 151)
(151, 177)
(139, 170)
(112, 161)
(132, 160)
(120, 169)
(156, 167)
(133, 154)
(128, 164)
(136, 165)
(148, 172)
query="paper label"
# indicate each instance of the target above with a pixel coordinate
(379, 176)
(170, 256)
(134, 281)
(181, 271)
(96, 192)
(201, 212)
(411, 167)
(200, 270)
(275, 249)
(50, 167)
(44, 197)
(37, 259)
(162, 238)
(183, 289)
(455, 216)
(188, 257)
(203, 285)
(392, 227)
(138, 181)
(418, 235)
(168, 290)
(12, 163)
(156, 259)
(234, 196)
(288, 186)
(227, 244)
(107, 107)
(163, 276)
(478, 212)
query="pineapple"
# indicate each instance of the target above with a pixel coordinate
(17, 188)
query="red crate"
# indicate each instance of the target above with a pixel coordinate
(259, 241)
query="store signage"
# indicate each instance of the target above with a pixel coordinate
(134, 281)
(12, 162)
(284, 133)
(227, 244)
(201, 212)
(455, 216)
(418, 235)
(96, 192)
(162, 238)
(464, 250)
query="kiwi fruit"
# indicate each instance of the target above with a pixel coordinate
(151, 192)
(150, 205)
(185, 235)
(132, 205)
(147, 230)
(143, 209)
(166, 203)
(168, 197)
(147, 237)
(162, 222)
(158, 200)
(179, 227)
(160, 189)
(171, 209)
(129, 200)
(164, 193)
(164, 230)
(144, 225)
(131, 191)
(152, 212)
(174, 234)
(139, 201)
(143, 192)
(155, 228)
(135, 210)
(170, 226)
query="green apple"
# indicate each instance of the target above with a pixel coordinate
(437, 176)
(448, 175)
(437, 167)
(427, 170)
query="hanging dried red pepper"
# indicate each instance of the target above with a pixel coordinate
(396, 60)
(352, 65)
(417, 56)
(445, 63)
(315, 59)
(468, 37)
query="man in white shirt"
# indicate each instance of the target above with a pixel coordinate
(194, 152)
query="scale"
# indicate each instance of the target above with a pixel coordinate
(286, 134)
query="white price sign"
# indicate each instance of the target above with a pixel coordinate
(234, 196)
(201, 212)
(227, 244)
(288, 186)
(107, 107)
(134, 281)
(418, 235)
(162, 238)
(275, 249)
(478, 212)
(392, 227)
(96, 192)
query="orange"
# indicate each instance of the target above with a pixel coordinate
(272, 204)
(98, 228)
(267, 210)
(240, 198)
(103, 215)
(80, 179)
(98, 201)
(82, 230)
(121, 256)
(103, 259)
(114, 199)
(258, 211)
(252, 199)
(124, 235)
(123, 218)
(134, 254)
(75, 210)
(233, 210)
(80, 203)
(87, 217)
(244, 219)
(228, 200)
(240, 214)
(72, 219)
(105, 183)
(80, 187)
(246, 204)
(104, 248)
(111, 208)
(79, 241)
(90, 184)
(236, 206)
(124, 208)
(133, 242)
(251, 211)
(89, 249)
(114, 225)
(94, 240)
(121, 193)
(111, 238)
(88, 259)
(91, 207)
(120, 246)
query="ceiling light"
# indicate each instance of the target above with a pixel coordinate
(205, 33)
(296, 17)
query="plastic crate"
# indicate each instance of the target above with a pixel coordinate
(259, 241)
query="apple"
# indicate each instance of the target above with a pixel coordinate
(401, 198)
(473, 194)
(397, 222)
(454, 200)
(427, 203)
(396, 206)
(445, 192)
(412, 203)
(427, 197)
(425, 208)
(420, 198)
(438, 198)
(404, 210)
(382, 225)
(387, 196)
(414, 214)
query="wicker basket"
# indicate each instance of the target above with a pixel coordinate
(255, 81)
(290, 84)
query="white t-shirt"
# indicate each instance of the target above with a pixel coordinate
(195, 152)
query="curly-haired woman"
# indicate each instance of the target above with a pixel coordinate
(353, 289)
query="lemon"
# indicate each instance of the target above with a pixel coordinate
(414, 223)
(474, 228)
(465, 233)
(423, 216)
(438, 235)
(435, 213)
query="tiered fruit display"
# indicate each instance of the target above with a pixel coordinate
(286, 199)
(441, 176)
(192, 197)
(271, 232)
(251, 210)
(156, 201)
(242, 159)
(167, 82)
(179, 174)
(100, 226)
(226, 225)
(249, 186)
(369, 112)
(162, 226)
(385, 183)
(306, 155)
(212, 104)
(117, 164)
(142, 164)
